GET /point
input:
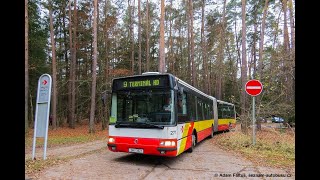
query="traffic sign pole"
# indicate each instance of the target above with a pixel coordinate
(253, 121)
(253, 88)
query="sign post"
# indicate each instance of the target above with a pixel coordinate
(42, 112)
(253, 88)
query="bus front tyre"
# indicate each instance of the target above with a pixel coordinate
(193, 143)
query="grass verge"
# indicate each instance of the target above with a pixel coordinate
(67, 136)
(273, 148)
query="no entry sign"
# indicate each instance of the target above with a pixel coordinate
(254, 87)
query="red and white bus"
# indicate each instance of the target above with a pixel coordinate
(159, 114)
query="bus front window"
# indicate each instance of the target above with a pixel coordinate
(153, 106)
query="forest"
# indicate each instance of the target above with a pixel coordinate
(214, 45)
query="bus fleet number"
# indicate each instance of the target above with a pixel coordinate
(172, 132)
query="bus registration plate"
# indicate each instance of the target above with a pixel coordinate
(134, 150)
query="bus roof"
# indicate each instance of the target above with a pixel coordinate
(143, 74)
(179, 81)
(193, 88)
(223, 102)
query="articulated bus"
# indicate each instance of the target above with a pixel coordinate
(159, 114)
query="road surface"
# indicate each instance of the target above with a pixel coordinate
(207, 161)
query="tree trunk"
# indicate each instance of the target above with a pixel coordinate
(70, 69)
(237, 44)
(147, 39)
(194, 75)
(74, 62)
(182, 62)
(285, 28)
(206, 81)
(132, 38)
(130, 33)
(286, 55)
(220, 69)
(26, 67)
(292, 27)
(250, 62)
(260, 62)
(263, 25)
(139, 35)
(54, 71)
(94, 69)
(105, 124)
(292, 52)
(170, 57)
(254, 53)
(71, 86)
(189, 75)
(31, 114)
(67, 70)
(243, 70)
(161, 48)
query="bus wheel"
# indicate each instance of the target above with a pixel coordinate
(229, 127)
(193, 142)
(211, 135)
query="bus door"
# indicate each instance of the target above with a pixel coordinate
(215, 115)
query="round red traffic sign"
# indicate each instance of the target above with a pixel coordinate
(254, 87)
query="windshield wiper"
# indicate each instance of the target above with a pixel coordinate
(122, 124)
(149, 125)
(137, 125)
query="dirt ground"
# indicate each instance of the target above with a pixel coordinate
(206, 162)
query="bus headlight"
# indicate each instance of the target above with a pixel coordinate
(173, 143)
(167, 143)
(111, 140)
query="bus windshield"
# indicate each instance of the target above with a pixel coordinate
(153, 107)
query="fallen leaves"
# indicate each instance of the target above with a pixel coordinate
(33, 166)
(67, 136)
(272, 148)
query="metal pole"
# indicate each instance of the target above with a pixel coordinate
(35, 127)
(47, 121)
(45, 147)
(34, 144)
(253, 122)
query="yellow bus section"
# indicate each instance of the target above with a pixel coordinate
(202, 125)
(199, 126)
(226, 121)
(184, 138)
(233, 121)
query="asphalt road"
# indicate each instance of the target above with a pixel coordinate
(207, 161)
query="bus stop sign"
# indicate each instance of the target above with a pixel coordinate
(254, 87)
(41, 122)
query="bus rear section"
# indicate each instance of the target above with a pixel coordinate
(226, 116)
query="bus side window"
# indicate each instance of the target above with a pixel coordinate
(220, 116)
(191, 106)
(179, 103)
(184, 104)
(182, 107)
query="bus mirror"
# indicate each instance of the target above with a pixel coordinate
(104, 99)
(149, 93)
(104, 96)
(181, 90)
